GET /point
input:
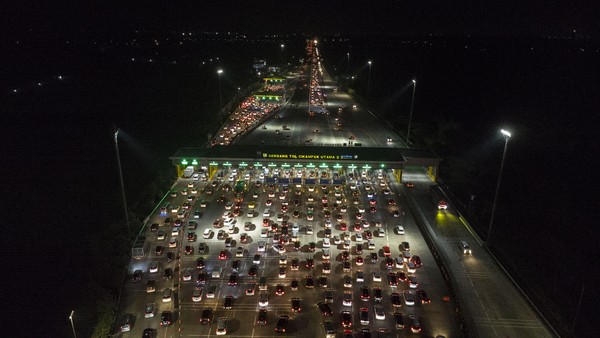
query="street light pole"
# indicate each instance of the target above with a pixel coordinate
(72, 325)
(412, 102)
(507, 136)
(348, 65)
(116, 140)
(282, 45)
(219, 72)
(369, 79)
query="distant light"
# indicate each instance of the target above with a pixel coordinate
(370, 63)
(60, 77)
(15, 90)
(132, 59)
(220, 71)
(39, 83)
(414, 81)
(282, 45)
(505, 133)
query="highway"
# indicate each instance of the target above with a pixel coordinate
(497, 309)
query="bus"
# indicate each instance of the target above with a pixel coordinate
(164, 208)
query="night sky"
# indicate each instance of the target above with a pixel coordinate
(497, 18)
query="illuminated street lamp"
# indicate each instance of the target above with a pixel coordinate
(414, 81)
(348, 64)
(282, 45)
(116, 139)
(507, 136)
(220, 71)
(369, 79)
(72, 325)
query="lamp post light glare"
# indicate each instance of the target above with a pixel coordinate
(219, 72)
(116, 140)
(507, 135)
(369, 79)
(72, 325)
(412, 102)
(348, 65)
(282, 46)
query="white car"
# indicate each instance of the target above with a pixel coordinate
(379, 313)
(376, 276)
(412, 282)
(263, 299)
(173, 243)
(207, 233)
(150, 310)
(279, 248)
(262, 246)
(326, 242)
(197, 295)
(264, 233)
(153, 267)
(239, 252)
(347, 298)
(399, 229)
(361, 208)
(187, 274)
(229, 221)
(175, 232)
(358, 237)
(409, 298)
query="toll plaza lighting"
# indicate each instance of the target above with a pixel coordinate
(507, 135)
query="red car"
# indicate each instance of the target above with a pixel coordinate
(343, 226)
(223, 254)
(386, 251)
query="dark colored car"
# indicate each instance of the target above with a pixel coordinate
(200, 263)
(168, 273)
(166, 318)
(262, 317)
(137, 276)
(159, 250)
(149, 333)
(325, 309)
(423, 297)
(282, 323)
(296, 305)
(228, 303)
(233, 280)
(346, 319)
(364, 293)
(206, 316)
(310, 282)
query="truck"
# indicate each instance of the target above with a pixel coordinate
(188, 172)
